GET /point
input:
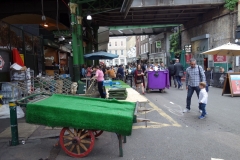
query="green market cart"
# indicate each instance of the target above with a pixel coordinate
(82, 119)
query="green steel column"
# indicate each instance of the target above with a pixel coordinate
(89, 43)
(13, 122)
(95, 35)
(79, 34)
(76, 67)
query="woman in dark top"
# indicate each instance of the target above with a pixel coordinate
(139, 78)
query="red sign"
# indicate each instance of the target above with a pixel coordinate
(188, 57)
(219, 59)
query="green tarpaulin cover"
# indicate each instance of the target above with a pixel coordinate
(82, 113)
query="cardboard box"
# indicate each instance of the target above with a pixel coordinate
(17, 67)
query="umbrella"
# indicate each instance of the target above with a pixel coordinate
(228, 49)
(100, 55)
(182, 59)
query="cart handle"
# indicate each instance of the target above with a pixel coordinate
(20, 101)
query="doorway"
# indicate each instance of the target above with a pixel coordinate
(205, 63)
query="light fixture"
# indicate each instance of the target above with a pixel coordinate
(70, 42)
(45, 24)
(236, 40)
(43, 18)
(89, 17)
(61, 38)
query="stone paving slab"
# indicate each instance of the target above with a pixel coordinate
(24, 131)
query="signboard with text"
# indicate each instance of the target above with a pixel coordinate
(219, 59)
(158, 44)
(235, 83)
(232, 84)
(188, 48)
(4, 61)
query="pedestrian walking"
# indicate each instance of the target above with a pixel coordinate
(178, 72)
(194, 75)
(100, 78)
(203, 98)
(171, 74)
(139, 78)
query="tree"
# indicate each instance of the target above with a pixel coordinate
(175, 43)
(230, 4)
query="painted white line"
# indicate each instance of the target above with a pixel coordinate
(216, 159)
(171, 102)
(176, 109)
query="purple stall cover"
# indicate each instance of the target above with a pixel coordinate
(158, 82)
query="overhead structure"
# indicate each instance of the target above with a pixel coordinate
(140, 30)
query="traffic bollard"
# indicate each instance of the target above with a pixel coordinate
(13, 122)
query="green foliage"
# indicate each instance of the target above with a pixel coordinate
(230, 4)
(175, 43)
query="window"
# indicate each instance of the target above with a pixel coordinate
(141, 49)
(146, 47)
(115, 51)
(109, 43)
(122, 61)
(121, 52)
(115, 43)
(121, 43)
(116, 61)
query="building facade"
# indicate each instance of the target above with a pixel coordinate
(209, 31)
(117, 45)
(153, 49)
(131, 48)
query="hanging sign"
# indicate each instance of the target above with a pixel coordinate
(158, 44)
(1, 63)
(219, 59)
(232, 84)
(188, 48)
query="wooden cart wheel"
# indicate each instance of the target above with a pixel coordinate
(76, 142)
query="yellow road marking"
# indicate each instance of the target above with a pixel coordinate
(157, 124)
(160, 125)
(162, 113)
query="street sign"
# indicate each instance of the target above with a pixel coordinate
(158, 44)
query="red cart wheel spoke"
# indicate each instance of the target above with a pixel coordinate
(77, 142)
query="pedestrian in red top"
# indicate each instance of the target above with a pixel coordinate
(139, 78)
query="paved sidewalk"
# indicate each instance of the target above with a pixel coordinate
(171, 135)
